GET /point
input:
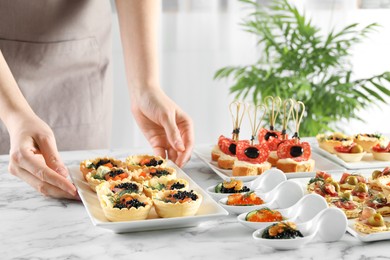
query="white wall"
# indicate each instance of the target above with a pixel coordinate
(370, 57)
(198, 37)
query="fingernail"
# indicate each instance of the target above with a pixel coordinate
(73, 190)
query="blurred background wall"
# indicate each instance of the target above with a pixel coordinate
(197, 37)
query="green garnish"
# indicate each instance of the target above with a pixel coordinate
(315, 179)
(91, 165)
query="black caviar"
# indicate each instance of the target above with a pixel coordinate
(160, 173)
(177, 186)
(114, 173)
(127, 186)
(181, 195)
(134, 203)
(154, 162)
(103, 162)
(288, 232)
(232, 190)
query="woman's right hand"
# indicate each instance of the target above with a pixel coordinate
(34, 158)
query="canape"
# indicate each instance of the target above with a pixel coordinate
(87, 166)
(104, 173)
(127, 207)
(111, 188)
(155, 185)
(350, 153)
(329, 141)
(381, 152)
(134, 162)
(370, 221)
(346, 203)
(367, 141)
(176, 203)
(145, 174)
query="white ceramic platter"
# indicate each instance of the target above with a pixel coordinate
(350, 228)
(208, 210)
(367, 161)
(321, 163)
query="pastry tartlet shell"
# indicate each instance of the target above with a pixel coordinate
(124, 214)
(171, 210)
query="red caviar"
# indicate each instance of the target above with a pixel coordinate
(246, 199)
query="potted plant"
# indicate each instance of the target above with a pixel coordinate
(298, 61)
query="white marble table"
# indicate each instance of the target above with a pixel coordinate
(35, 227)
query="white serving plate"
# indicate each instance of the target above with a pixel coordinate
(367, 161)
(350, 229)
(208, 210)
(368, 237)
(321, 164)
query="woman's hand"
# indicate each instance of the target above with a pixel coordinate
(34, 158)
(167, 128)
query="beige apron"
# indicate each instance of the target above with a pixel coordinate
(59, 51)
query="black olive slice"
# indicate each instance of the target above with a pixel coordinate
(269, 134)
(296, 151)
(232, 148)
(252, 152)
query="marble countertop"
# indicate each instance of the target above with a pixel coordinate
(35, 227)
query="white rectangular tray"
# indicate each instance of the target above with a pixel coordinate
(367, 162)
(321, 163)
(208, 210)
(350, 228)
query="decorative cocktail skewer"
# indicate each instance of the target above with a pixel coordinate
(288, 106)
(274, 110)
(271, 136)
(252, 158)
(224, 153)
(294, 155)
(237, 112)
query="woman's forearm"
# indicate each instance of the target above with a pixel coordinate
(138, 27)
(12, 101)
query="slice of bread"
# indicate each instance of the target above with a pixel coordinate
(289, 165)
(241, 168)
